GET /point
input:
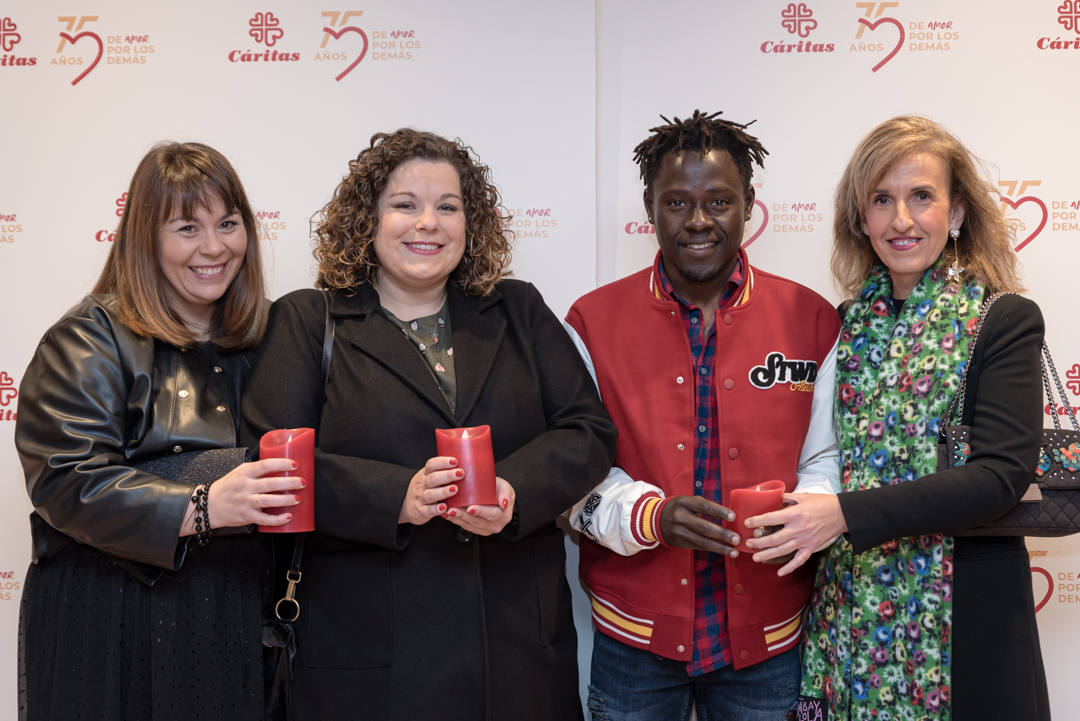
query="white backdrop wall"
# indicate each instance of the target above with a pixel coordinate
(553, 97)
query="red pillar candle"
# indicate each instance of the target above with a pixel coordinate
(750, 502)
(472, 449)
(297, 444)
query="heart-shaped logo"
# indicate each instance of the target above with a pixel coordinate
(899, 42)
(97, 58)
(1042, 223)
(8, 37)
(1036, 571)
(337, 36)
(761, 228)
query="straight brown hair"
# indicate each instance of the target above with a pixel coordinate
(178, 177)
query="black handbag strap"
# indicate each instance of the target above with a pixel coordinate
(1049, 370)
(287, 609)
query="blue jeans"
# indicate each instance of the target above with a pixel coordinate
(629, 684)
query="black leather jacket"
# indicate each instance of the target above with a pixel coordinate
(97, 398)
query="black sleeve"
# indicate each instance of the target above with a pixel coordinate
(286, 391)
(1006, 431)
(71, 433)
(558, 467)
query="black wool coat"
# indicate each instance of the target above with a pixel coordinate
(430, 622)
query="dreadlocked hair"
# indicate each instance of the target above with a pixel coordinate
(700, 132)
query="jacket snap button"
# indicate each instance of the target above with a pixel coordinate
(744, 654)
(680, 648)
(684, 582)
(728, 319)
(680, 446)
(182, 393)
(464, 536)
(679, 380)
(177, 449)
(220, 409)
(729, 383)
(733, 453)
(217, 369)
(738, 589)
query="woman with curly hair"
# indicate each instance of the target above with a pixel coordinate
(414, 608)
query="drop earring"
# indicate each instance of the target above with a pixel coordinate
(955, 269)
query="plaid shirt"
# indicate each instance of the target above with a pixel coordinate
(712, 649)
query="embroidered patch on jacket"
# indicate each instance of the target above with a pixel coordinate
(798, 374)
(586, 516)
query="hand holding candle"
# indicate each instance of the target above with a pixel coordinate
(472, 449)
(297, 444)
(753, 501)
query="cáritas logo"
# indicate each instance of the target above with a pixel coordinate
(8, 393)
(1068, 16)
(9, 38)
(264, 27)
(798, 20)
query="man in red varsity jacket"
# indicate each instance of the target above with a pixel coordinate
(719, 376)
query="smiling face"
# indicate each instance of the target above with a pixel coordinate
(908, 216)
(699, 205)
(421, 236)
(199, 257)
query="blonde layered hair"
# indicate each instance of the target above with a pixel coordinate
(174, 178)
(985, 245)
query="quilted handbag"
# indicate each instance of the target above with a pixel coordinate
(1051, 506)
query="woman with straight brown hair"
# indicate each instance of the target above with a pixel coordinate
(133, 608)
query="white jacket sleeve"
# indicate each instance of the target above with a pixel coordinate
(617, 507)
(819, 461)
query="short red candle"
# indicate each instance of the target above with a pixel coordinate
(472, 449)
(750, 502)
(297, 444)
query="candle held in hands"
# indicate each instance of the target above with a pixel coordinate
(753, 501)
(472, 449)
(297, 444)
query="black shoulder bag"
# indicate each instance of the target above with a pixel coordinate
(279, 638)
(1051, 506)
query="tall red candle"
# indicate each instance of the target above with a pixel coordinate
(297, 444)
(753, 501)
(472, 449)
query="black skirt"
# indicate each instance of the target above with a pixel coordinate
(97, 644)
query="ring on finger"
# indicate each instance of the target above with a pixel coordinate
(258, 500)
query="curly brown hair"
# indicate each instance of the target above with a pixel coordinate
(346, 227)
(984, 247)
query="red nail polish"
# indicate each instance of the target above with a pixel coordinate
(444, 515)
(453, 461)
(442, 507)
(288, 517)
(303, 483)
(452, 513)
(505, 503)
(295, 465)
(459, 473)
(452, 489)
(472, 511)
(296, 498)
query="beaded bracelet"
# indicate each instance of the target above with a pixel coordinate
(200, 498)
